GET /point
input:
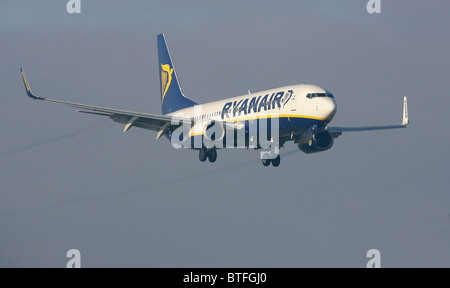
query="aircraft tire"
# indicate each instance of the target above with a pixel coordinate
(266, 162)
(276, 161)
(202, 155)
(212, 155)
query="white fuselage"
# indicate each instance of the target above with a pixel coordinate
(294, 105)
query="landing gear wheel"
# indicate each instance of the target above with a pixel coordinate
(212, 155)
(276, 161)
(202, 155)
(266, 162)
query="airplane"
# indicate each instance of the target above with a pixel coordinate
(298, 113)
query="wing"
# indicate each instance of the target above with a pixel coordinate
(337, 131)
(158, 123)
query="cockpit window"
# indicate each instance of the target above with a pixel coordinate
(329, 95)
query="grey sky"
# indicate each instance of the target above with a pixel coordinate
(70, 180)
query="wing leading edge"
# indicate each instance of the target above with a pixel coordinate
(154, 122)
(337, 131)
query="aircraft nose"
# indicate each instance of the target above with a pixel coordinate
(329, 108)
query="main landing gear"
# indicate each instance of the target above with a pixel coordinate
(275, 161)
(210, 154)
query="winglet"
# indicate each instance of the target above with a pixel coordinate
(27, 87)
(405, 121)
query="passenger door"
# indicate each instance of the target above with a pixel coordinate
(294, 102)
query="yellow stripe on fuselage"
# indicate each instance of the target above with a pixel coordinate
(270, 116)
(259, 117)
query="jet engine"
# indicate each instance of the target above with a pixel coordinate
(322, 142)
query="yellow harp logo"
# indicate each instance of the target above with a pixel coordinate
(166, 78)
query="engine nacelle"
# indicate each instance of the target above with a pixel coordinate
(323, 141)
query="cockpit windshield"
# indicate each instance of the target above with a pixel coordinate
(314, 95)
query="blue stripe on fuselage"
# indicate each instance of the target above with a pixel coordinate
(287, 125)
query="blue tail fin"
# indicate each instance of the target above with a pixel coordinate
(172, 99)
